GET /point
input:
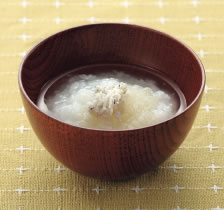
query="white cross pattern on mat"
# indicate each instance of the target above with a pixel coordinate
(127, 20)
(197, 19)
(163, 20)
(57, 4)
(59, 169)
(178, 208)
(93, 19)
(199, 36)
(161, 4)
(21, 169)
(202, 53)
(22, 129)
(195, 3)
(216, 188)
(22, 149)
(215, 70)
(175, 168)
(139, 209)
(97, 190)
(218, 208)
(207, 108)
(25, 20)
(213, 167)
(137, 189)
(211, 147)
(177, 188)
(207, 89)
(22, 110)
(59, 190)
(24, 3)
(21, 190)
(209, 127)
(22, 54)
(91, 4)
(126, 4)
(58, 20)
(24, 37)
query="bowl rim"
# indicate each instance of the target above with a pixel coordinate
(114, 24)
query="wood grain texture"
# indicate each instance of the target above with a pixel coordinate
(111, 154)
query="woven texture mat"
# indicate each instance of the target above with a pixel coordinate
(30, 178)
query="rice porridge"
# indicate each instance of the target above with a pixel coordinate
(110, 101)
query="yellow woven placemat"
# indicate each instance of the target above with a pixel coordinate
(192, 178)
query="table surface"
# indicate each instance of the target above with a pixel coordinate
(30, 178)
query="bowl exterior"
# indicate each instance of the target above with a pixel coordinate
(110, 154)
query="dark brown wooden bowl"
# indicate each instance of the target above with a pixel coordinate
(111, 154)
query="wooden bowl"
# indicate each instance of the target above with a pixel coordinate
(111, 154)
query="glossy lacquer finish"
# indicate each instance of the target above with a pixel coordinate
(111, 154)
